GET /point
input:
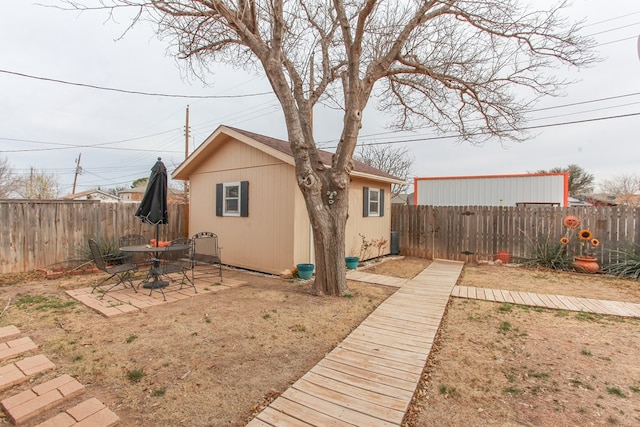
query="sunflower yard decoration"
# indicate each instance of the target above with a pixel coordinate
(585, 259)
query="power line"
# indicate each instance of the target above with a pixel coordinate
(612, 19)
(572, 104)
(434, 138)
(587, 102)
(133, 92)
(613, 29)
(617, 41)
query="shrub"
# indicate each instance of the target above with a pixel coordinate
(109, 248)
(629, 266)
(548, 254)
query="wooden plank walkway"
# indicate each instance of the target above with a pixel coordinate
(558, 302)
(369, 379)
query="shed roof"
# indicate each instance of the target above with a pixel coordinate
(273, 146)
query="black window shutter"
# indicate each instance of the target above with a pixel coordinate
(365, 201)
(381, 202)
(218, 199)
(244, 198)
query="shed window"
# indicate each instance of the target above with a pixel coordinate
(232, 199)
(373, 199)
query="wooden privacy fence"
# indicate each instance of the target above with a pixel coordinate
(39, 234)
(472, 233)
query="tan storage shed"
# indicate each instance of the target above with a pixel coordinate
(243, 188)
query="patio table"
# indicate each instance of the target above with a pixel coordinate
(157, 252)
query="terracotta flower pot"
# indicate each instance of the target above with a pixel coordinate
(586, 264)
(503, 256)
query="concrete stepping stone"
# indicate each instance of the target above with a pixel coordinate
(90, 413)
(15, 347)
(30, 403)
(7, 332)
(20, 371)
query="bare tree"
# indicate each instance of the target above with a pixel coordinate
(396, 161)
(38, 185)
(9, 182)
(450, 64)
(580, 181)
(625, 188)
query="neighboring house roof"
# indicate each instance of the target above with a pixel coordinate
(91, 195)
(275, 147)
(598, 199)
(139, 189)
(577, 202)
(629, 199)
(402, 199)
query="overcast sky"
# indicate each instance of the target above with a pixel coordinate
(47, 125)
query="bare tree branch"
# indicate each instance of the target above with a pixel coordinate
(471, 66)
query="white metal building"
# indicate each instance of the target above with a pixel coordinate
(548, 189)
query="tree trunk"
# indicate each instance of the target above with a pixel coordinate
(328, 241)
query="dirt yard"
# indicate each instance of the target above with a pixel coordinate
(217, 359)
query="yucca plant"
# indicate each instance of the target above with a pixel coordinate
(109, 248)
(629, 266)
(549, 254)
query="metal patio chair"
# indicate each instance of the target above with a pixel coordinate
(134, 240)
(122, 272)
(206, 254)
(180, 262)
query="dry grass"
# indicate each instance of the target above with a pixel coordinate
(217, 359)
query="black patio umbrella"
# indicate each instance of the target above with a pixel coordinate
(153, 207)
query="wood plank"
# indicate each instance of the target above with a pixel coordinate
(548, 302)
(507, 296)
(616, 308)
(388, 358)
(397, 348)
(425, 319)
(368, 384)
(383, 400)
(428, 325)
(632, 308)
(558, 304)
(375, 365)
(311, 415)
(595, 306)
(258, 423)
(578, 303)
(381, 374)
(376, 410)
(526, 298)
(535, 298)
(397, 334)
(420, 332)
(517, 298)
(464, 291)
(336, 410)
(272, 417)
(497, 295)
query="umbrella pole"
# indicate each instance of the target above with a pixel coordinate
(157, 283)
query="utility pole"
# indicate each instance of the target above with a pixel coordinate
(78, 172)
